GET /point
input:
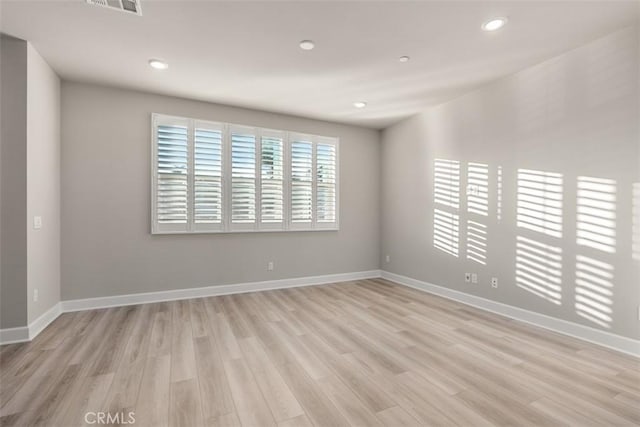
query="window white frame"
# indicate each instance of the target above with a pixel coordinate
(226, 224)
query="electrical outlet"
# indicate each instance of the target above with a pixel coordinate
(474, 278)
(270, 266)
(494, 282)
(37, 222)
(467, 277)
(35, 295)
(388, 258)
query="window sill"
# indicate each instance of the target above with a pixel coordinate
(297, 230)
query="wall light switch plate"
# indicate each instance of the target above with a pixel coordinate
(474, 278)
(37, 222)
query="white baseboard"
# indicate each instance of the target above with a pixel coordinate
(603, 338)
(239, 288)
(43, 321)
(14, 335)
(586, 333)
(27, 333)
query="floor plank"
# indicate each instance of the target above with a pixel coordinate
(365, 352)
(250, 403)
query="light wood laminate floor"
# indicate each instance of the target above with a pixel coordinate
(365, 353)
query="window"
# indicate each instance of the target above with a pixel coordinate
(217, 177)
(243, 176)
(272, 179)
(207, 180)
(171, 179)
(326, 157)
(301, 181)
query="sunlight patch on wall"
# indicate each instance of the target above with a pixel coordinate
(446, 230)
(635, 241)
(477, 242)
(478, 188)
(539, 269)
(499, 198)
(596, 215)
(446, 187)
(594, 289)
(540, 202)
(446, 192)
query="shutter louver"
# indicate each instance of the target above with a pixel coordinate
(272, 180)
(171, 174)
(326, 183)
(207, 168)
(243, 177)
(301, 181)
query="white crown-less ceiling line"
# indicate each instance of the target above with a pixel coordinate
(247, 53)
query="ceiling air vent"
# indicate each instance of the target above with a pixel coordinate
(128, 6)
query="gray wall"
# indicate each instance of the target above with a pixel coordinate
(43, 184)
(576, 115)
(30, 181)
(13, 181)
(107, 248)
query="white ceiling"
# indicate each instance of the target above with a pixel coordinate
(246, 53)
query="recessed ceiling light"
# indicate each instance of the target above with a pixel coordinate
(404, 59)
(307, 45)
(359, 104)
(158, 64)
(494, 24)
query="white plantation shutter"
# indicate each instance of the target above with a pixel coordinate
(272, 179)
(243, 176)
(326, 183)
(171, 162)
(301, 182)
(212, 177)
(207, 181)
